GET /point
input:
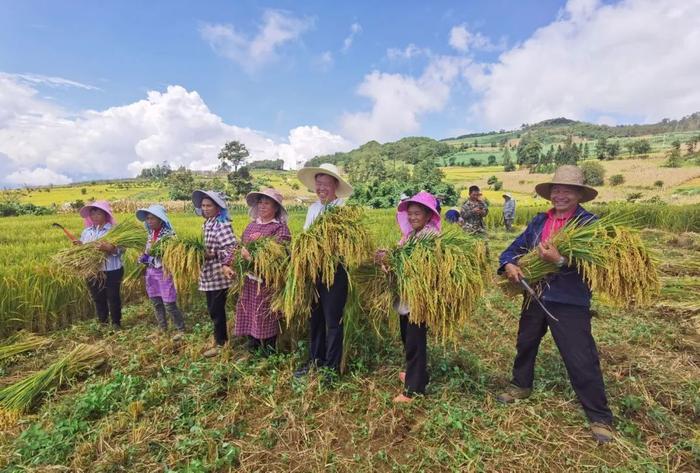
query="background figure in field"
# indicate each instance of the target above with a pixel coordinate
(326, 318)
(106, 290)
(159, 284)
(254, 316)
(473, 212)
(508, 211)
(219, 243)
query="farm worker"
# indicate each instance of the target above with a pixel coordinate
(219, 244)
(566, 296)
(325, 322)
(105, 291)
(452, 216)
(254, 317)
(508, 211)
(473, 212)
(415, 216)
(159, 284)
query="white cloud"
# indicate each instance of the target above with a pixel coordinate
(464, 40)
(399, 100)
(325, 61)
(409, 52)
(40, 143)
(636, 60)
(355, 29)
(277, 28)
(37, 177)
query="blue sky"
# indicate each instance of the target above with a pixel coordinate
(296, 79)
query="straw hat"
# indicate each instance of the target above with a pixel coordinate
(567, 175)
(156, 210)
(307, 176)
(427, 200)
(102, 205)
(252, 199)
(217, 197)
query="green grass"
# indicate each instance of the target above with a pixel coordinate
(161, 407)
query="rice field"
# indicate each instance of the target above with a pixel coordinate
(158, 406)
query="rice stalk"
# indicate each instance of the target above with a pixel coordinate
(86, 261)
(182, 259)
(19, 397)
(441, 277)
(338, 237)
(610, 255)
(269, 262)
(22, 342)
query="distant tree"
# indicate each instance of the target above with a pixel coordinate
(83, 191)
(593, 173)
(241, 181)
(491, 180)
(492, 160)
(274, 164)
(508, 164)
(498, 185)
(528, 151)
(181, 184)
(690, 144)
(159, 172)
(585, 153)
(613, 150)
(601, 148)
(234, 153)
(642, 146)
(676, 145)
(674, 158)
(474, 162)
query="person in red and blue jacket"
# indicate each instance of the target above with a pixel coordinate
(566, 295)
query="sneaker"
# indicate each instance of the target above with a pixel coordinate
(402, 376)
(178, 336)
(603, 433)
(512, 393)
(212, 352)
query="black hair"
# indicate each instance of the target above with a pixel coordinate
(474, 189)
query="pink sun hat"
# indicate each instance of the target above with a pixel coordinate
(98, 204)
(424, 198)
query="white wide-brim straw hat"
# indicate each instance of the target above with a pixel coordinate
(568, 175)
(307, 176)
(252, 200)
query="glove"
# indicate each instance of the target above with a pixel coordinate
(145, 259)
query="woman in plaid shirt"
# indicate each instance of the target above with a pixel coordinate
(254, 317)
(219, 243)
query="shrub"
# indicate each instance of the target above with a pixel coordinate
(616, 179)
(658, 183)
(498, 185)
(492, 180)
(593, 173)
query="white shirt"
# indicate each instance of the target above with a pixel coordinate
(317, 209)
(114, 260)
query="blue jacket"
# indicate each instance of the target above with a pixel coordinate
(566, 286)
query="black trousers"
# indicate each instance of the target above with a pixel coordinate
(216, 306)
(415, 345)
(105, 293)
(572, 335)
(326, 323)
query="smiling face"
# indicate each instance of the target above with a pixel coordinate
(325, 187)
(418, 216)
(209, 208)
(98, 216)
(154, 223)
(267, 208)
(565, 198)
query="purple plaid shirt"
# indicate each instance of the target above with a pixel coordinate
(219, 238)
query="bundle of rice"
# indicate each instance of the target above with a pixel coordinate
(86, 260)
(338, 236)
(17, 398)
(611, 256)
(270, 260)
(21, 342)
(182, 259)
(439, 276)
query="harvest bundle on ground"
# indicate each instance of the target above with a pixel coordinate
(17, 398)
(21, 342)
